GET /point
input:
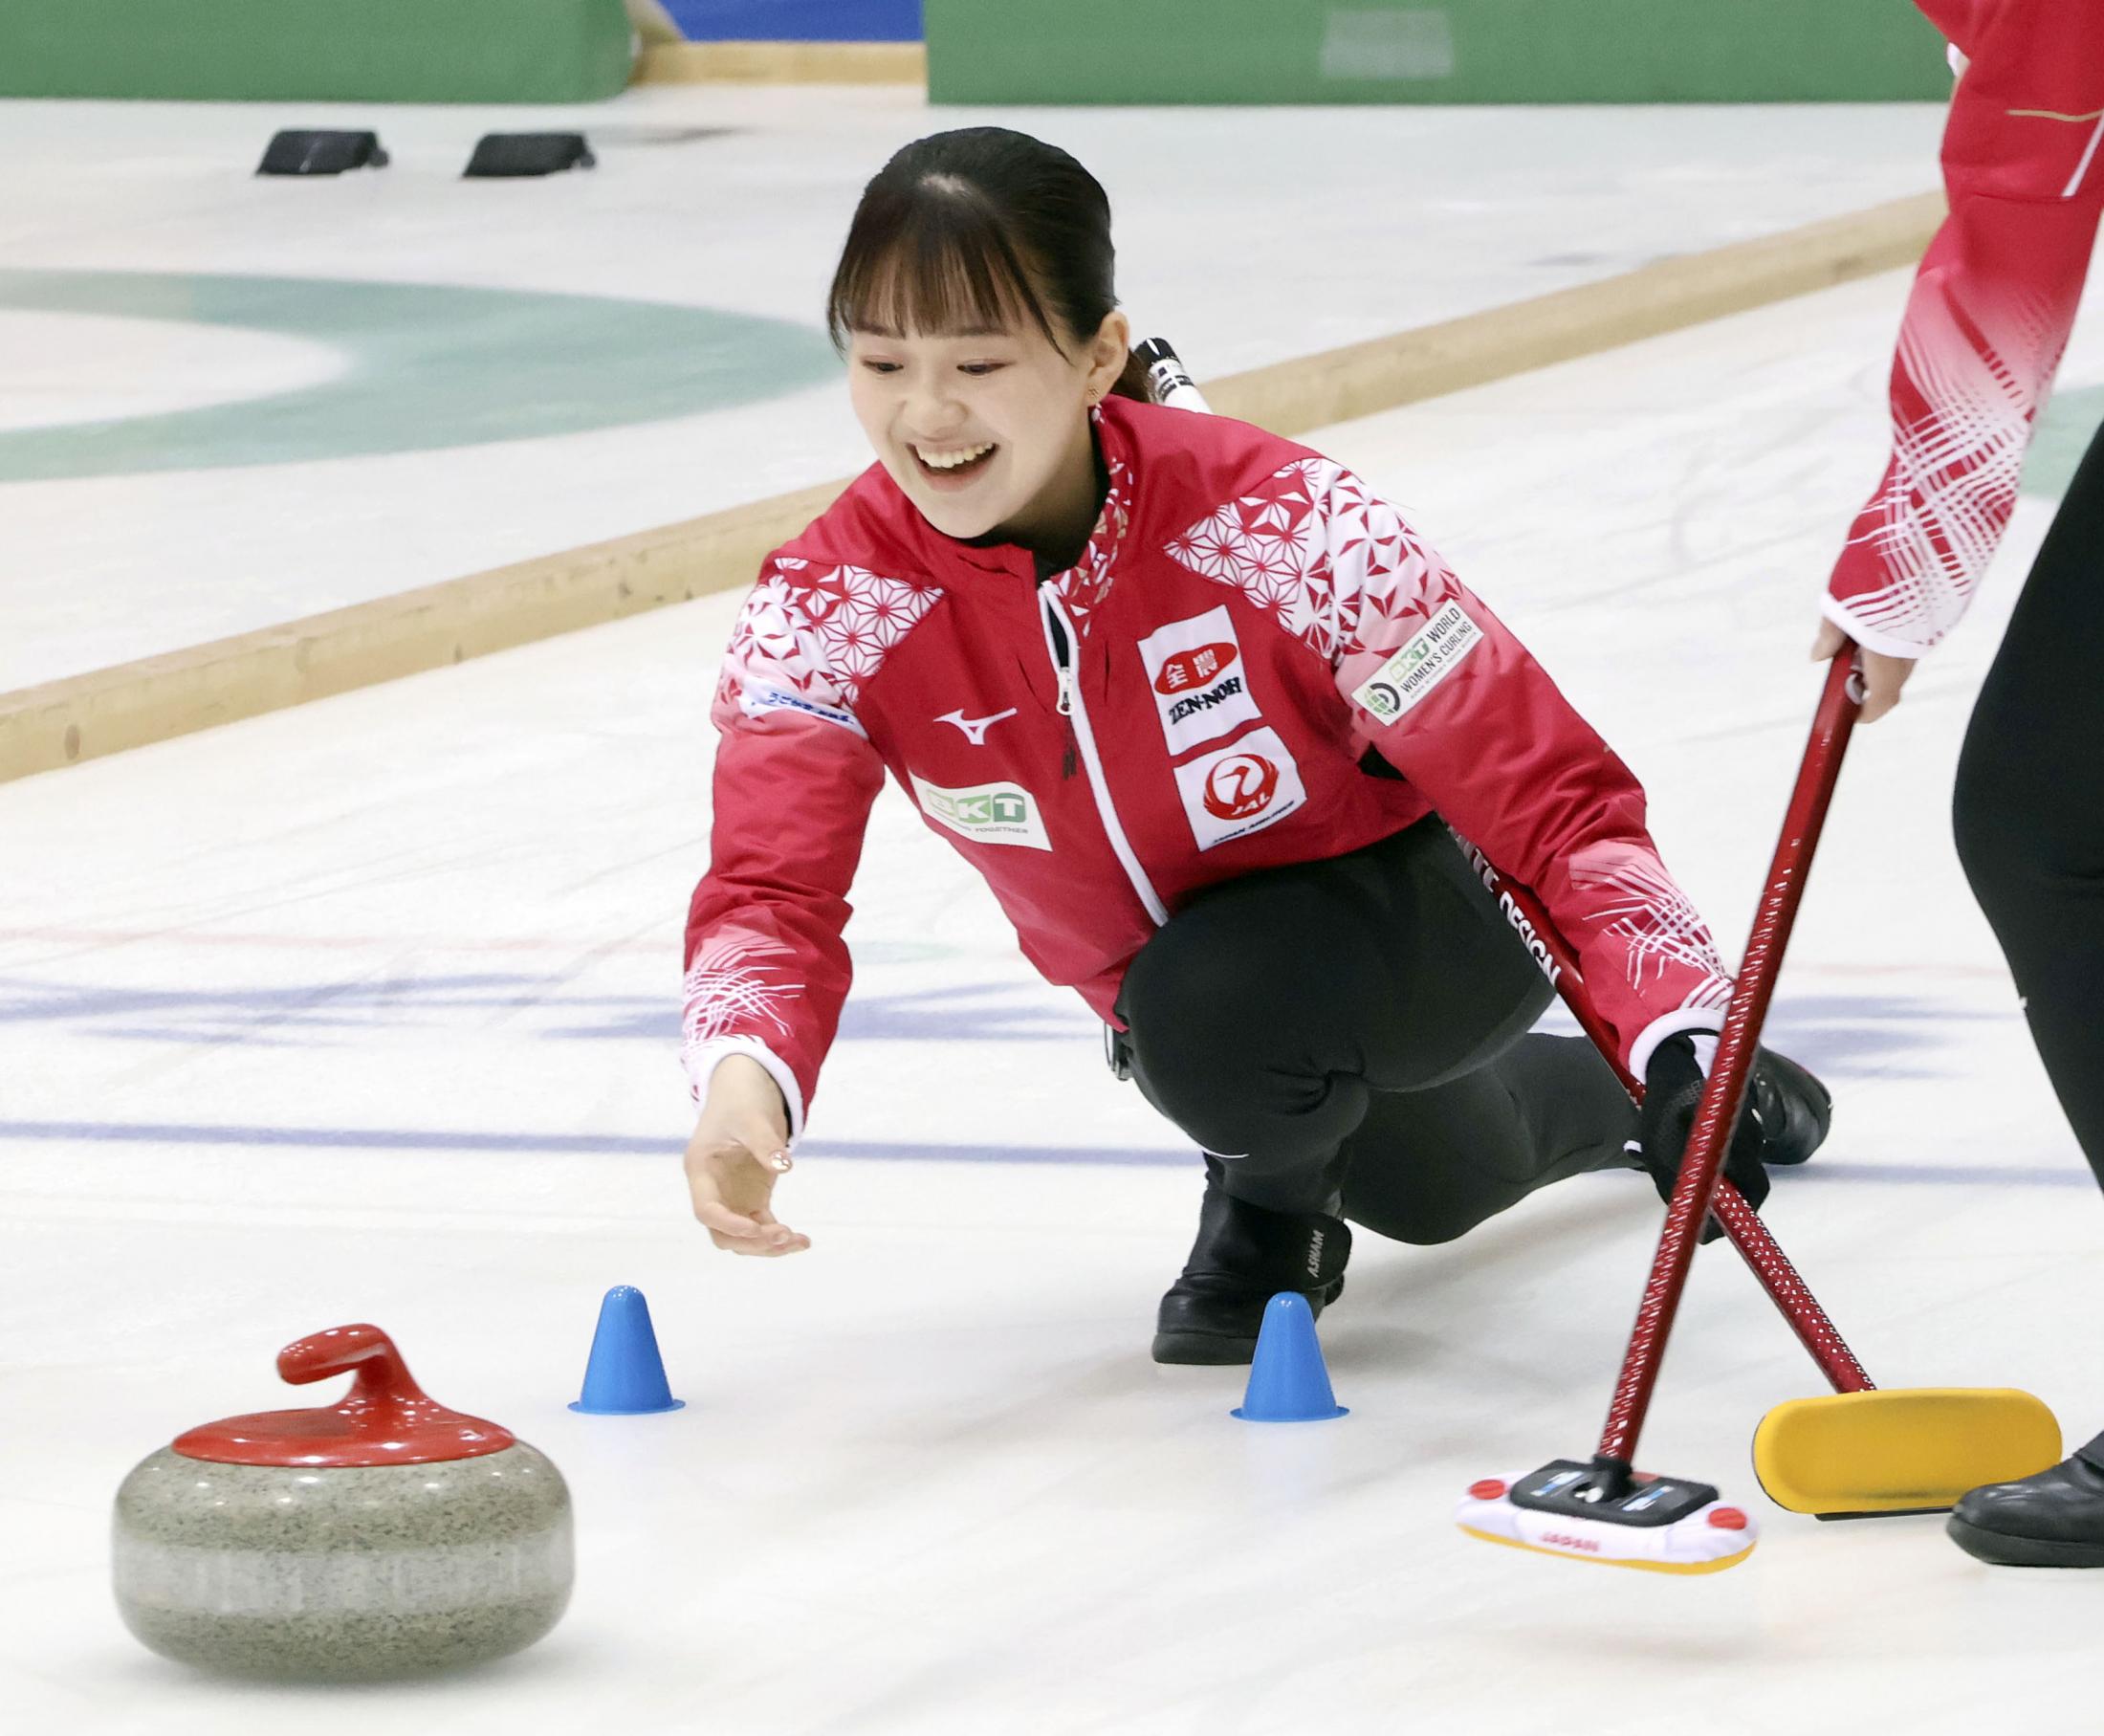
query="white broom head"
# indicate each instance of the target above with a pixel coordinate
(1715, 1535)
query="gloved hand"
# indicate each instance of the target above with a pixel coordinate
(1673, 1092)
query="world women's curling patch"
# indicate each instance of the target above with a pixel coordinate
(1424, 661)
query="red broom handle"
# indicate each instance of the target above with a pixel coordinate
(1749, 1235)
(1743, 1224)
(1702, 1164)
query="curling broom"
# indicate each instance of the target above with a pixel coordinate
(1858, 1452)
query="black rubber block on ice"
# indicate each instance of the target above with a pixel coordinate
(321, 153)
(511, 154)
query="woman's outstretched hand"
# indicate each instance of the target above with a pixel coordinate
(738, 1151)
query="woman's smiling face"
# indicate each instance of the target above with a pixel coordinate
(981, 428)
(973, 304)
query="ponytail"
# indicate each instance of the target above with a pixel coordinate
(1133, 381)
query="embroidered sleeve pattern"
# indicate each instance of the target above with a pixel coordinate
(808, 637)
(1986, 321)
(767, 969)
(1973, 363)
(1643, 914)
(736, 982)
(1314, 548)
(1441, 689)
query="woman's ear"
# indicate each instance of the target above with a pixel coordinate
(1108, 351)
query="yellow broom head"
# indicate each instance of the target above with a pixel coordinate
(1909, 1450)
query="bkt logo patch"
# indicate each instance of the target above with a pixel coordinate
(1200, 684)
(986, 813)
(1240, 789)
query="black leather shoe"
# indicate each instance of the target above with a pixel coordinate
(2055, 1519)
(1793, 1108)
(1242, 1258)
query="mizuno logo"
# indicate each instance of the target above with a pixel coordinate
(974, 728)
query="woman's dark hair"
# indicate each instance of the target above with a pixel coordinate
(975, 230)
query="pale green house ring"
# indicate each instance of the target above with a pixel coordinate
(2063, 436)
(430, 366)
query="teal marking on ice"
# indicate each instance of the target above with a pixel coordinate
(2062, 435)
(431, 367)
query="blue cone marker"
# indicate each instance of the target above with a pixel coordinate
(1287, 1382)
(626, 1376)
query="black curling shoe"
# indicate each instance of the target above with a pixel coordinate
(1242, 1258)
(1793, 1109)
(2053, 1519)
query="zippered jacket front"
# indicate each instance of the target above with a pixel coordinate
(1198, 697)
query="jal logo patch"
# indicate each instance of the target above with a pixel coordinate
(985, 813)
(1423, 662)
(1201, 689)
(1241, 788)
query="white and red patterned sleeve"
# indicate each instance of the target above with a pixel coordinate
(1988, 319)
(767, 969)
(1449, 697)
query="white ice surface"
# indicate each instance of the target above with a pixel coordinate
(365, 1011)
(1247, 235)
(141, 368)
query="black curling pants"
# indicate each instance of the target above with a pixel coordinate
(1351, 1036)
(2029, 804)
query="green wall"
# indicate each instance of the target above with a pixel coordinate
(316, 51)
(1447, 51)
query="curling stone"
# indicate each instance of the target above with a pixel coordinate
(383, 1536)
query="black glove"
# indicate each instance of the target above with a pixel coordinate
(1673, 1092)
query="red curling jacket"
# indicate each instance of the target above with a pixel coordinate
(1190, 702)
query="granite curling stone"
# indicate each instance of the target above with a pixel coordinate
(383, 1536)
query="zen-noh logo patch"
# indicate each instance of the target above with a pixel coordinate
(1240, 789)
(1424, 661)
(1202, 688)
(986, 813)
